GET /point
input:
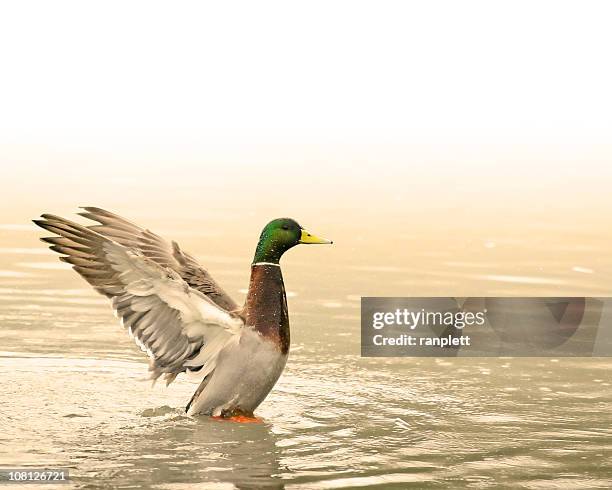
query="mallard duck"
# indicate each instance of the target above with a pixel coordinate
(179, 315)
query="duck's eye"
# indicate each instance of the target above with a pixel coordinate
(285, 227)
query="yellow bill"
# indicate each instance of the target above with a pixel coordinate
(309, 238)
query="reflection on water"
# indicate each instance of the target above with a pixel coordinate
(75, 393)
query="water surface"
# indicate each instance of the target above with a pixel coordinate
(75, 393)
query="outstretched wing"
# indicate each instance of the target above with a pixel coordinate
(160, 251)
(173, 322)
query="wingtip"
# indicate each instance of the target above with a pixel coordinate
(97, 211)
(51, 217)
(43, 223)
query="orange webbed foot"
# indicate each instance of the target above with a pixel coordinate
(241, 419)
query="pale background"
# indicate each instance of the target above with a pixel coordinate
(294, 109)
(448, 148)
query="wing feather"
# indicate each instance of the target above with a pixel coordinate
(178, 326)
(154, 247)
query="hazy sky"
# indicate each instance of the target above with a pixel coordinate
(515, 91)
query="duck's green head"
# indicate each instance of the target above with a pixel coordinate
(280, 235)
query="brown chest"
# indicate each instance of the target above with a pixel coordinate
(265, 308)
